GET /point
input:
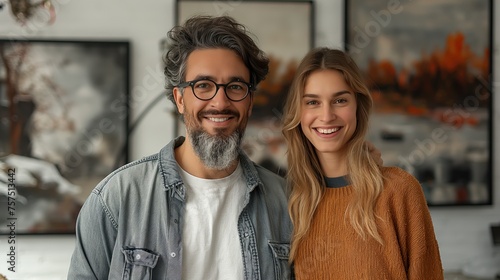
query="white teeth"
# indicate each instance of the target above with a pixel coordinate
(218, 119)
(327, 131)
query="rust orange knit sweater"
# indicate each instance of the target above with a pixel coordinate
(333, 250)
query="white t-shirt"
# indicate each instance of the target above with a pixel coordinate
(210, 242)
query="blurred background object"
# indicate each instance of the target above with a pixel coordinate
(25, 10)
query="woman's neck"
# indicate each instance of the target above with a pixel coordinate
(333, 164)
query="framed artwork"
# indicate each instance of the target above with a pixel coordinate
(284, 30)
(64, 124)
(428, 65)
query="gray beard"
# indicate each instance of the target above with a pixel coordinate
(216, 151)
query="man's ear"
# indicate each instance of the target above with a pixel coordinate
(179, 100)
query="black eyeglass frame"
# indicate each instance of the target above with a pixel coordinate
(217, 86)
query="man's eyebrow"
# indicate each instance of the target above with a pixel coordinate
(200, 77)
(235, 78)
(231, 79)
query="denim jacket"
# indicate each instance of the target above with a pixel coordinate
(130, 227)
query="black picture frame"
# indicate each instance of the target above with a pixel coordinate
(285, 31)
(429, 68)
(64, 127)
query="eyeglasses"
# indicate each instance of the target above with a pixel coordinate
(205, 89)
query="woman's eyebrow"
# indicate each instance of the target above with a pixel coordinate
(336, 94)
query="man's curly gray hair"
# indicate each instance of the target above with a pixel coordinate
(206, 32)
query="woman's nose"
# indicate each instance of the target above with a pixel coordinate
(327, 114)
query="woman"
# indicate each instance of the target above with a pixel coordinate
(353, 219)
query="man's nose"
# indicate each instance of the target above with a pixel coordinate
(220, 99)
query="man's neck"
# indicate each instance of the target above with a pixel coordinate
(192, 164)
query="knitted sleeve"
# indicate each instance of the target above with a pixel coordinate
(416, 230)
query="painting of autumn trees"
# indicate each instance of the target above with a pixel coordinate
(442, 78)
(428, 66)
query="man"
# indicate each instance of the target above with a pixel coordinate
(199, 209)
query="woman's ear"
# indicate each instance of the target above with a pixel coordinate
(179, 100)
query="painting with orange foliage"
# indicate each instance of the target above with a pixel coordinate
(428, 65)
(284, 30)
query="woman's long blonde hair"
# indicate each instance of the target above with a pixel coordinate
(304, 174)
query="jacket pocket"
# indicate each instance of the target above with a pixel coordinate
(281, 252)
(139, 263)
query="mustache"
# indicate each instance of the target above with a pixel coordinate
(217, 112)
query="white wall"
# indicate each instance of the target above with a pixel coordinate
(462, 232)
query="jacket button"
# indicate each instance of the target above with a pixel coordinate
(173, 255)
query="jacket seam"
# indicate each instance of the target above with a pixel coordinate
(106, 209)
